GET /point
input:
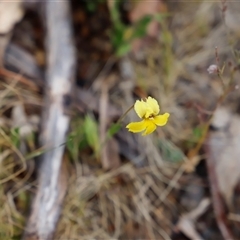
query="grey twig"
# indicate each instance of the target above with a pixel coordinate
(59, 82)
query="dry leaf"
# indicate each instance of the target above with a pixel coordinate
(224, 149)
(10, 13)
(142, 9)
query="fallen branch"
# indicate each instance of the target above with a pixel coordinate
(59, 82)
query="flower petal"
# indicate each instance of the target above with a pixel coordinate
(140, 108)
(161, 120)
(137, 126)
(153, 105)
(150, 127)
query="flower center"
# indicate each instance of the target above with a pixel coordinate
(151, 117)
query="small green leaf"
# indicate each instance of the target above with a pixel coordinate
(15, 137)
(140, 28)
(92, 6)
(114, 128)
(194, 137)
(35, 153)
(170, 152)
(115, 13)
(197, 133)
(123, 49)
(76, 139)
(91, 132)
(160, 16)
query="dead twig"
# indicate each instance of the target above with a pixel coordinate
(61, 68)
(186, 223)
(109, 150)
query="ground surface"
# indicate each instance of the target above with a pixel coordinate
(163, 186)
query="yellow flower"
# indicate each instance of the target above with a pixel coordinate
(149, 111)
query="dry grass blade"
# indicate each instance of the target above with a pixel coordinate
(107, 210)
